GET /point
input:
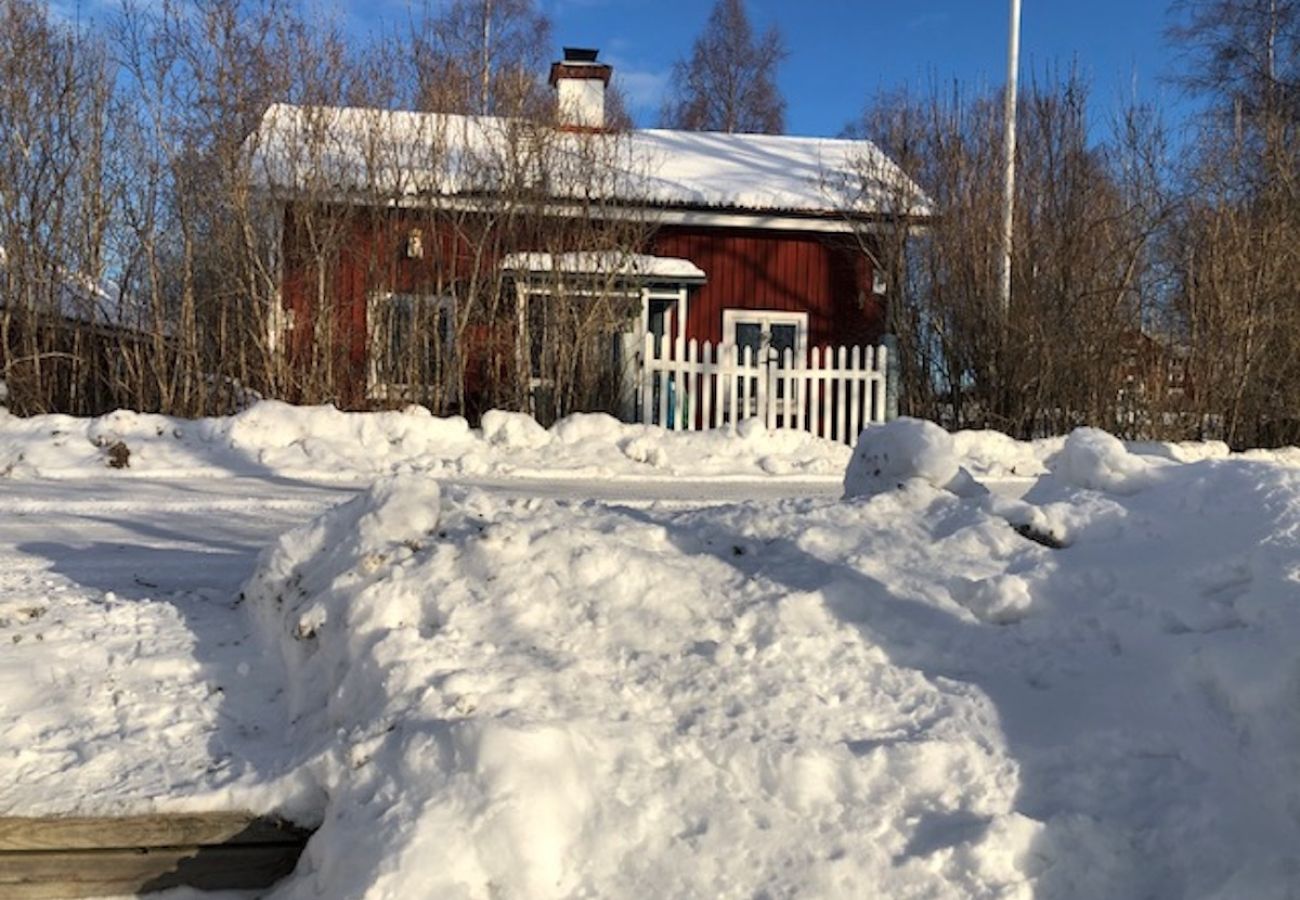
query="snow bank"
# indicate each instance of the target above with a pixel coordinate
(992, 454)
(890, 455)
(323, 443)
(534, 700)
(1086, 691)
(899, 696)
(1093, 459)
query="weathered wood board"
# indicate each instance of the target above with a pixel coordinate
(43, 858)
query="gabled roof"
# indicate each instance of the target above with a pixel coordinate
(396, 154)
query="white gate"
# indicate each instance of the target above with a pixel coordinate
(833, 394)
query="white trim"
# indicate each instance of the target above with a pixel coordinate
(604, 263)
(765, 319)
(677, 295)
(720, 217)
(753, 221)
(378, 389)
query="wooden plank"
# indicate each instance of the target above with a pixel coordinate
(689, 401)
(169, 830)
(841, 394)
(855, 396)
(29, 875)
(815, 391)
(648, 363)
(707, 385)
(878, 392)
(767, 390)
(733, 402)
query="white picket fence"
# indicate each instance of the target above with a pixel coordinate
(833, 394)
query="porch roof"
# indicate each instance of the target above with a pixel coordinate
(606, 263)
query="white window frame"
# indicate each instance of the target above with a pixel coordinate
(765, 319)
(677, 294)
(376, 387)
(529, 292)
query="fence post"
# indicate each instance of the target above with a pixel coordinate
(815, 391)
(893, 375)
(647, 379)
(688, 396)
(706, 385)
(859, 362)
(733, 388)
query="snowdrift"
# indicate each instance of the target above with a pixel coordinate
(1080, 684)
(534, 700)
(323, 443)
(893, 695)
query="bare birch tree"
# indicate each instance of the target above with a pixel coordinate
(1087, 228)
(728, 83)
(55, 86)
(1236, 251)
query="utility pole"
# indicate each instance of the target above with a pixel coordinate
(1009, 160)
(485, 72)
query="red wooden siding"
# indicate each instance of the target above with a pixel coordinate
(827, 277)
(369, 257)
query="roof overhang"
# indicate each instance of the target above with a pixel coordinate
(651, 215)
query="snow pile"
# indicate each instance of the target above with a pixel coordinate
(890, 455)
(323, 443)
(1087, 689)
(1093, 459)
(527, 699)
(1000, 600)
(896, 696)
(513, 431)
(992, 454)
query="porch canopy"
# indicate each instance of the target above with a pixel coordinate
(661, 281)
(631, 267)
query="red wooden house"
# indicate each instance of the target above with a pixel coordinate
(757, 240)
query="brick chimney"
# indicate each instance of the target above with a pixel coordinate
(579, 82)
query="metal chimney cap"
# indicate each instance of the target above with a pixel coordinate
(580, 54)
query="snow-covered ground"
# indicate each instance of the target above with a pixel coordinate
(322, 443)
(1059, 669)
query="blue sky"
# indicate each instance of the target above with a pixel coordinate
(841, 51)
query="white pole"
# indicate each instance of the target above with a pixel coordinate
(1009, 158)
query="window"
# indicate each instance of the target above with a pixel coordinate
(412, 345)
(767, 333)
(765, 329)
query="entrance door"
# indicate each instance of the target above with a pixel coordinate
(661, 321)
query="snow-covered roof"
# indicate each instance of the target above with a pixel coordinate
(397, 154)
(73, 296)
(767, 172)
(631, 265)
